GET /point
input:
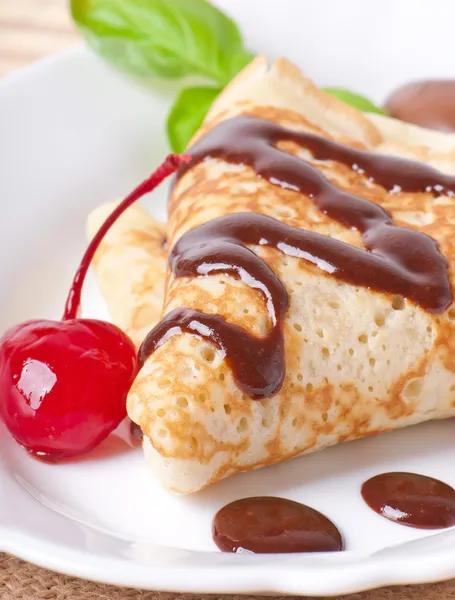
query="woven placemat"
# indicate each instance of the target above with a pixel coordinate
(22, 581)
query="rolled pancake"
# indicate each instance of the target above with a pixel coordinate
(130, 266)
(358, 362)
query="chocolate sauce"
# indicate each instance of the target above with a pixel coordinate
(251, 141)
(412, 500)
(397, 260)
(428, 103)
(257, 363)
(273, 525)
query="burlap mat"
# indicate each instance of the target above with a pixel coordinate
(21, 581)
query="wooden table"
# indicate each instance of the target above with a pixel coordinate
(31, 29)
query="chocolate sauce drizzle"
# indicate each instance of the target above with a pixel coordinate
(410, 499)
(397, 260)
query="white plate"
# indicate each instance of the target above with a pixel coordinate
(75, 133)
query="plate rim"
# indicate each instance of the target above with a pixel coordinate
(283, 579)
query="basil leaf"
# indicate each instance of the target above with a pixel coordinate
(168, 38)
(355, 100)
(187, 114)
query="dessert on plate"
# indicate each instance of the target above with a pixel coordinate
(308, 293)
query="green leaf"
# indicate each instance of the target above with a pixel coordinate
(168, 38)
(187, 114)
(359, 102)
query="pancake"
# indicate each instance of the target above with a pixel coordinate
(358, 360)
(411, 141)
(130, 266)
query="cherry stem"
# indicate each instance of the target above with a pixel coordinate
(167, 168)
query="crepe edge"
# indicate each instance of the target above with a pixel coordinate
(394, 130)
(293, 83)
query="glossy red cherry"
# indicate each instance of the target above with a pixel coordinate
(63, 384)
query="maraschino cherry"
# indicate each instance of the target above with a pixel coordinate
(63, 384)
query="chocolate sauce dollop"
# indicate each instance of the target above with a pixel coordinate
(268, 524)
(428, 103)
(413, 500)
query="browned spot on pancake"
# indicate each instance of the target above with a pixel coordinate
(395, 404)
(197, 444)
(445, 342)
